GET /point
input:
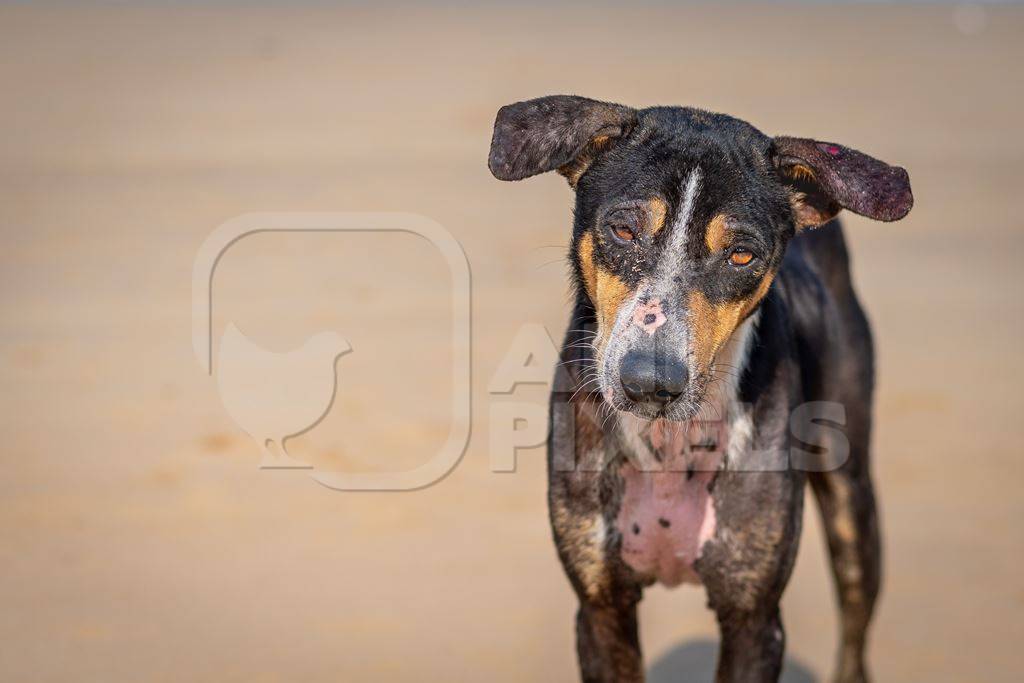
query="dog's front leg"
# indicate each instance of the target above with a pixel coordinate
(607, 640)
(752, 646)
(746, 566)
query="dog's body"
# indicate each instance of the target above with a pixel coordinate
(706, 345)
(749, 547)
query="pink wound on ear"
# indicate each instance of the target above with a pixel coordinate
(831, 149)
(649, 317)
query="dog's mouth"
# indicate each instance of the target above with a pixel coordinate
(678, 410)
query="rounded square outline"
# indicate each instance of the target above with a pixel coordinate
(235, 229)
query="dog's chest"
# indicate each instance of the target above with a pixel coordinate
(666, 512)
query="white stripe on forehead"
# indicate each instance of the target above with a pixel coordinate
(681, 225)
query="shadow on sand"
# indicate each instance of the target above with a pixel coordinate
(695, 661)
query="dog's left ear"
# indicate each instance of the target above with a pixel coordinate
(825, 177)
(563, 132)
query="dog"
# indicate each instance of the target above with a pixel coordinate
(714, 304)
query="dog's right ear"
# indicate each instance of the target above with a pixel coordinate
(562, 132)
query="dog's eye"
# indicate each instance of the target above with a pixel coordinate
(740, 256)
(624, 233)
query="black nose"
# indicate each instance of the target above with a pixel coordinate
(649, 378)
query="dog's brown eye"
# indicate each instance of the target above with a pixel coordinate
(741, 256)
(623, 233)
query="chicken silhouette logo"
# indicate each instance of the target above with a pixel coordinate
(275, 396)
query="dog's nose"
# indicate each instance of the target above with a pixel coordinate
(647, 378)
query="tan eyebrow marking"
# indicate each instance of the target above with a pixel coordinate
(658, 210)
(716, 235)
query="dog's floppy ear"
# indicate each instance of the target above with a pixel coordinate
(561, 132)
(825, 177)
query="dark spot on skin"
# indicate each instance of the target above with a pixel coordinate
(689, 472)
(650, 318)
(636, 528)
(664, 523)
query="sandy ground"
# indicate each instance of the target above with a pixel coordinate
(139, 539)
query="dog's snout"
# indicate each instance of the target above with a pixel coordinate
(647, 378)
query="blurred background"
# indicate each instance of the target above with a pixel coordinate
(140, 541)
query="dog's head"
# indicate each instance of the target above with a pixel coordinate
(682, 219)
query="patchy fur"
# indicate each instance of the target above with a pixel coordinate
(670, 450)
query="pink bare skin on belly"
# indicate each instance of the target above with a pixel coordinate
(667, 514)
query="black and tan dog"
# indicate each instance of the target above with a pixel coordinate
(709, 316)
